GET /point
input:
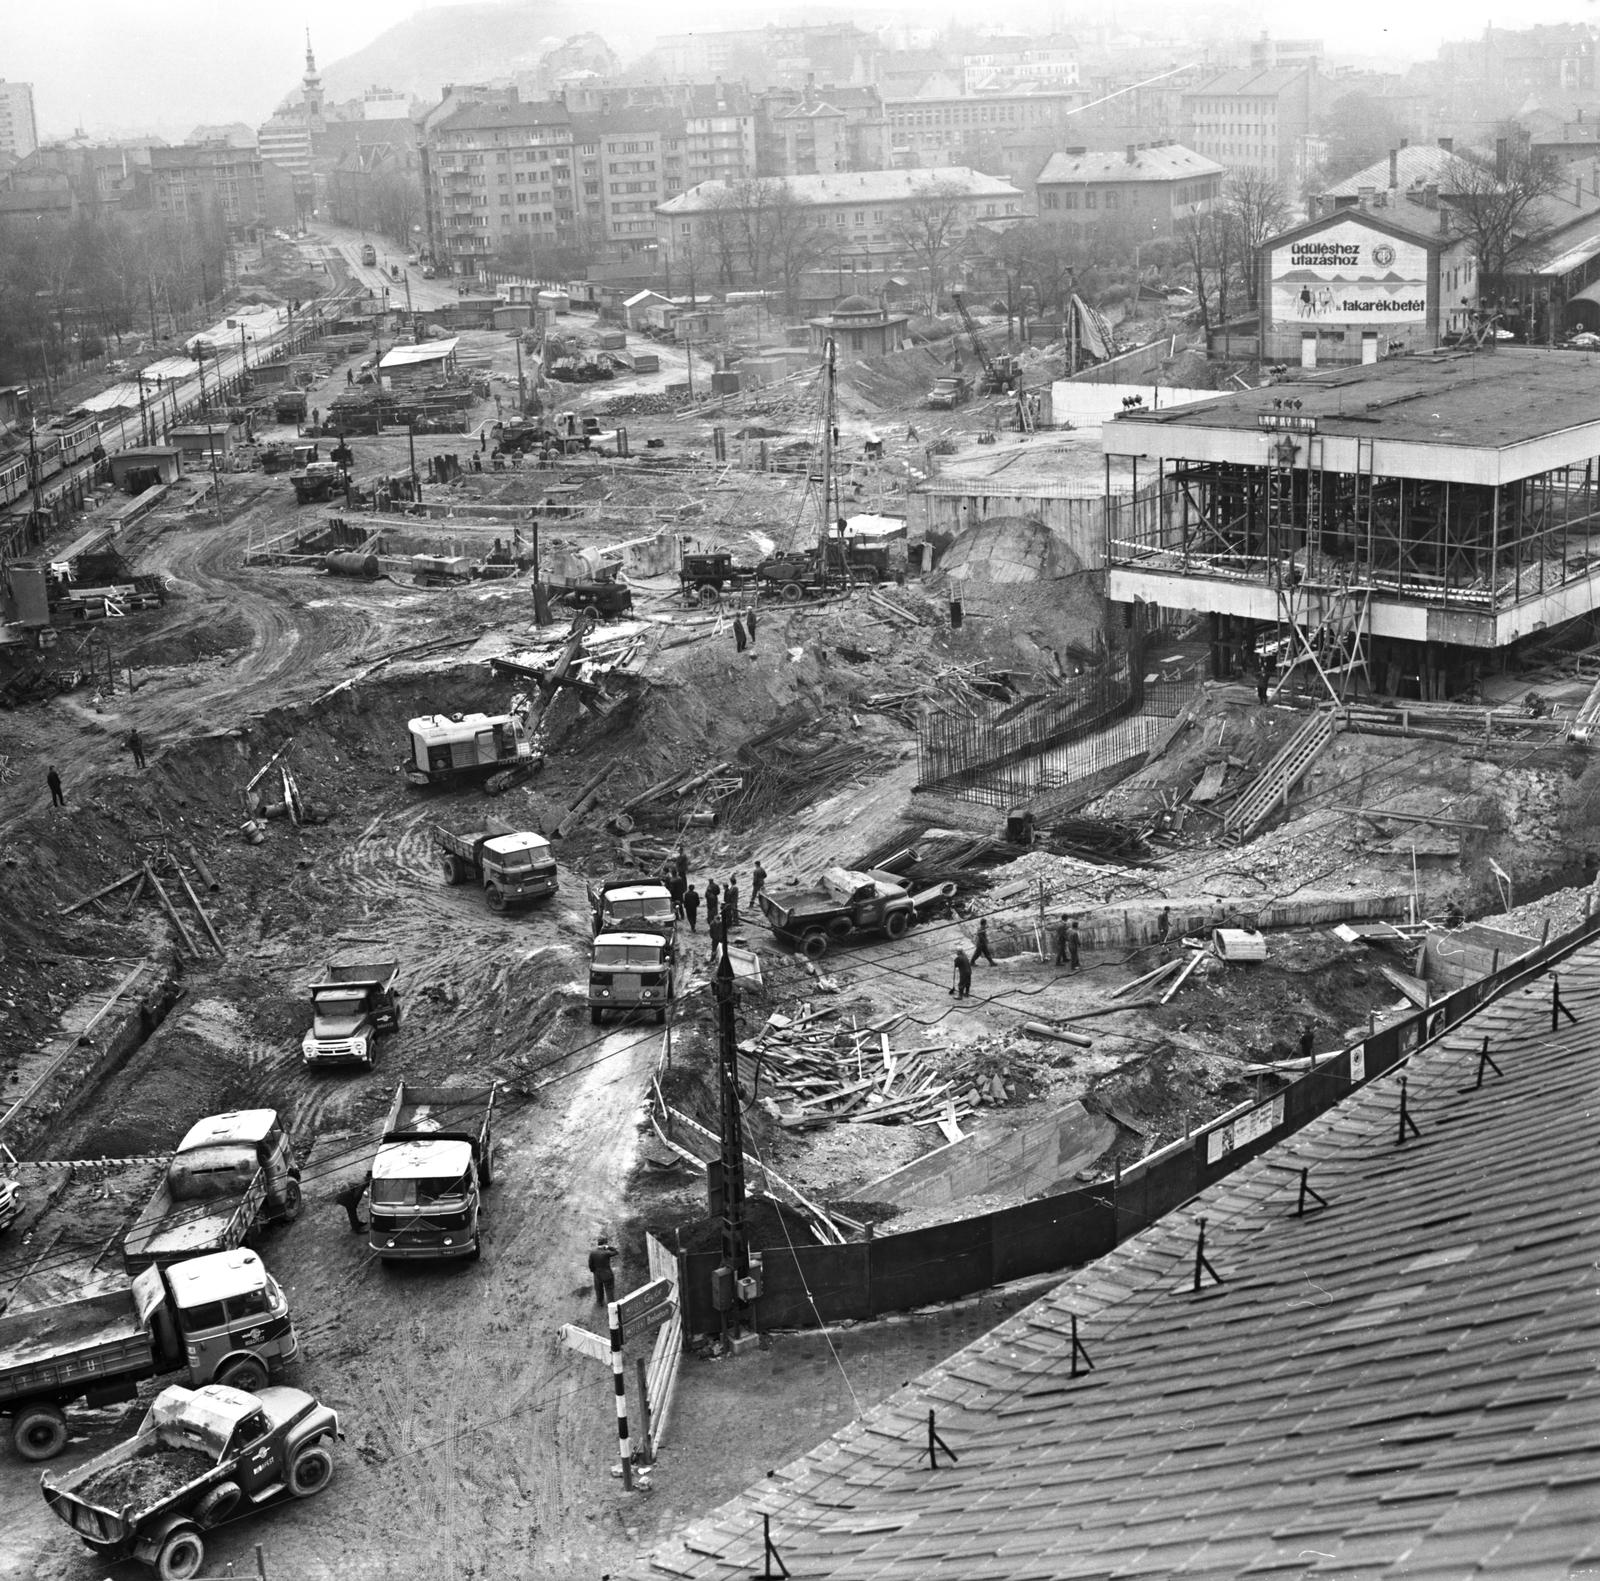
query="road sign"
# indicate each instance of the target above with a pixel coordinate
(646, 1296)
(636, 1325)
(585, 1343)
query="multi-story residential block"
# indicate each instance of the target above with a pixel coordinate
(627, 162)
(1004, 71)
(1145, 190)
(497, 171)
(719, 131)
(955, 129)
(813, 131)
(1253, 120)
(186, 180)
(19, 127)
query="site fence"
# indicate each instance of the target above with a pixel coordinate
(1009, 754)
(808, 1285)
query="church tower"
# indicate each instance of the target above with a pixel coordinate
(311, 84)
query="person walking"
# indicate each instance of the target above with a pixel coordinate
(713, 900)
(136, 747)
(675, 888)
(691, 904)
(1074, 943)
(349, 1198)
(963, 975)
(738, 634)
(680, 860)
(716, 931)
(605, 1282)
(730, 901)
(758, 881)
(53, 780)
(1061, 940)
(730, 918)
(1164, 925)
(981, 950)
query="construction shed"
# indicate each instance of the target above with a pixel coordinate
(134, 471)
(428, 363)
(200, 442)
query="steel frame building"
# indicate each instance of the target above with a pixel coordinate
(1416, 518)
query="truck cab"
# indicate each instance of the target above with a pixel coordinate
(430, 1172)
(515, 867)
(632, 970)
(369, 255)
(232, 1317)
(626, 905)
(947, 394)
(353, 1004)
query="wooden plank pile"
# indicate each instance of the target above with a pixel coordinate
(807, 1075)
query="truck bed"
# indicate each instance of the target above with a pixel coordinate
(168, 1231)
(96, 1337)
(435, 1111)
(380, 972)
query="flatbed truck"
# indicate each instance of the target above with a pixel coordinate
(846, 905)
(514, 867)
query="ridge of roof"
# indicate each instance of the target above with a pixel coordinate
(1399, 1383)
(865, 186)
(1171, 162)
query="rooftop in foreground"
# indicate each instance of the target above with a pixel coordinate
(1400, 1384)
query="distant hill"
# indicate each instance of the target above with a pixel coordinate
(477, 43)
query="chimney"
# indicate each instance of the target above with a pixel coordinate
(1444, 222)
(1313, 208)
(1405, 142)
(1394, 167)
(1502, 158)
(1365, 195)
(1448, 144)
(1430, 196)
(1132, 151)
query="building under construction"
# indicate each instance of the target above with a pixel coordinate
(1397, 528)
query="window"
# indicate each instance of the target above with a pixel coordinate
(1052, 200)
(838, 218)
(1069, 200)
(1090, 199)
(1111, 200)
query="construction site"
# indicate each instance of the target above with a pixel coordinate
(1081, 777)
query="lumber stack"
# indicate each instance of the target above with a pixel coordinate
(805, 1074)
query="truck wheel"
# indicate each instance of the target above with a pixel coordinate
(895, 924)
(218, 1504)
(815, 944)
(476, 1254)
(496, 898)
(792, 593)
(39, 1432)
(661, 1016)
(294, 1198)
(246, 1373)
(841, 928)
(181, 1555)
(708, 593)
(312, 1470)
(454, 871)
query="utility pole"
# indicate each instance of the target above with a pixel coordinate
(411, 442)
(827, 448)
(522, 386)
(735, 1264)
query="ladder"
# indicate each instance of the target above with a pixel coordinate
(1270, 788)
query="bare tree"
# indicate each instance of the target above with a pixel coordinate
(795, 242)
(1497, 203)
(929, 231)
(722, 234)
(1260, 208)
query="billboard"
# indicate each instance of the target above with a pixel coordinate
(1349, 274)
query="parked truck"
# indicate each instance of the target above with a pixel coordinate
(949, 393)
(230, 1173)
(630, 905)
(350, 1007)
(845, 905)
(201, 1457)
(632, 970)
(515, 868)
(290, 406)
(317, 482)
(446, 747)
(220, 1318)
(430, 1172)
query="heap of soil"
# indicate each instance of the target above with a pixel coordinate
(766, 1224)
(146, 1479)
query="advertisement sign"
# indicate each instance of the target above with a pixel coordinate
(1349, 274)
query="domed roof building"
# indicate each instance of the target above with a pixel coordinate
(859, 328)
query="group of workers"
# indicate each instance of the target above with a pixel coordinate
(721, 900)
(1068, 942)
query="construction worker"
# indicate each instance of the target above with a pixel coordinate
(675, 888)
(713, 899)
(750, 623)
(680, 860)
(1061, 940)
(691, 904)
(1074, 943)
(53, 780)
(1308, 1040)
(963, 976)
(349, 1198)
(605, 1282)
(136, 747)
(1164, 925)
(730, 901)
(758, 881)
(716, 930)
(738, 634)
(349, 376)
(981, 950)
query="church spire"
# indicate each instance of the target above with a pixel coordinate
(312, 82)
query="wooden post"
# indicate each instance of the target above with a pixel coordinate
(194, 900)
(200, 867)
(646, 1448)
(78, 905)
(171, 911)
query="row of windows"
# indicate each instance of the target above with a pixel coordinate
(976, 114)
(632, 186)
(630, 167)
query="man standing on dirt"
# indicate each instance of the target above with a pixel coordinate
(53, 780)
(350, 1200)
(713, 900)
(738, 634)
(963, 974)
(758, 881)
(1164, 925)
(730, 901)
(675, 888)
(680, 861)
(1074, 943)
(1061, 940)
(981, 950)
(691, 904)
(716, 930)
(605, 1282)
(750, 622)
(136, 747)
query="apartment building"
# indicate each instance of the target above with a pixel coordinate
(1253, 120)
(814, 131)
(497, 171)
(719, 131)
(955, 129)
(1147, 190)
(19, 128)
(627, 163)
(185, 180)
(1005, 71)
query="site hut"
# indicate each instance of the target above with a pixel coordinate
(1411, 521)
(858, 327)
(430, 363)
(200, 443)
(1356, 284)
(134, 471)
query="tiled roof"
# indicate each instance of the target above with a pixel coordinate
(1400, 1385)
(493, 117)
(1170, 162)
(1418, 165)
(1249, 84)
(866, 186)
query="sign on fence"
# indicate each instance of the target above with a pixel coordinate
(645, 1307)
(1245, 1130)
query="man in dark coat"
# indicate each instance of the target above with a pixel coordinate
(1074, 943)
(691, 904)
(53, 780)
(136, 747)
(758, 881)
(963, 974)
(738, 634)
(350, 1200)
(713, 899)
(1164, 925)
(981, 951)
(1061, 940)
(730, 901)
(605, 1282)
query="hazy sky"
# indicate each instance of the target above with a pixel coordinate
(169, 64)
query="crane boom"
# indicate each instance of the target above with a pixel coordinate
(991, 377)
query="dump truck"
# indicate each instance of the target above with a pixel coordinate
(630, 969)
(631, 905)
(221, 1318)
(230, 1172)
(947, 394)
(353, 1003)
(317, 482)
(290, 406)
(201, 1457)
(430, 1171)
(514, 867)
(846, 904)
(444, 747)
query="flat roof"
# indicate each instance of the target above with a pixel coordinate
(431, 1159)
(241, 1125)
(428, 351)
(1486, 417)
(216, 1276)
